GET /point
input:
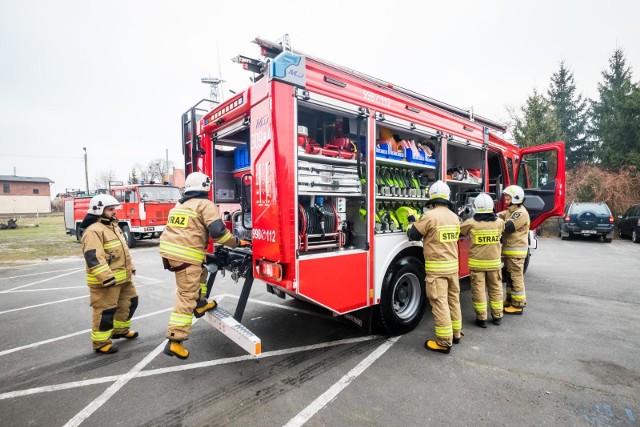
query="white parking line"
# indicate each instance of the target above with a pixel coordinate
(180, 368)
(42, 305)
(113, 388)
(122, 381)
(41, 281)
(343, 382)
(45, 289)
(37, 274)
(50, 340)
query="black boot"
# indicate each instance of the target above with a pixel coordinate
(481, 323)
(497, 320)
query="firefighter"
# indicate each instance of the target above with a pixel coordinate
(191, 223)
(439, 230)
(112, 294)
(515, 246)
(485, 230)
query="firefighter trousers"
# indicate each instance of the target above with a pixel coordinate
(515, 281)
(113, 308)
(444, 295)
(481, 281)
(189, 285)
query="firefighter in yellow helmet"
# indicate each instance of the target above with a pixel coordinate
(515, 246)
(110, 271)
(485, 230)
(439, 230)
(191, 223)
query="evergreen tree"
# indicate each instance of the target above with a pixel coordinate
(570, 112)
(133, 177)
(616, 115)
(537, 124)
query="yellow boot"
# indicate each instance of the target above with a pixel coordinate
(128, 335)
(204, 306)
(175, 348)
(434, 346)
(514, 310)
(107, 349)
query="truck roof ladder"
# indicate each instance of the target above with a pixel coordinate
(275, 47)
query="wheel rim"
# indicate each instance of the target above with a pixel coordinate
(406, 296)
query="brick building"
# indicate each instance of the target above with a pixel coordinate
(24, 195)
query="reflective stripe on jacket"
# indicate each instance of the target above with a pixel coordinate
(106, 254)
(516, 244)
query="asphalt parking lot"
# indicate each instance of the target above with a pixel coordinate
(571, 359)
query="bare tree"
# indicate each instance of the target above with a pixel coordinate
(103, 177)
(154, 171)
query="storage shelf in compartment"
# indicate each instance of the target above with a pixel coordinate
(463, 183)
(390, 233)
(404, 199)
(245, 169)
(328, 160)
(332, 253)
(328, 194)
(391, 162)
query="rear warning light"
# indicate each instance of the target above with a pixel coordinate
(638, 224)
(567, 218)
(610, 219)
(270, 269)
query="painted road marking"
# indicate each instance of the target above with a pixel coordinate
(187, 367)
(343, 382)
(41, 281)
(37, 274)
(122, 381)
(50, 340)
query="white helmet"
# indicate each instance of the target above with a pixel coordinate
(197, 181)
(439, 190)
(483, 203)
(101, 201)
(516, 193)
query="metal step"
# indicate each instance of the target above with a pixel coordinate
(223, 321)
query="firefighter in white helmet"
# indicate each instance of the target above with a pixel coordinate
(515, 246)
(484, 231)
(191, 223)
(110, 271)
(439, 230)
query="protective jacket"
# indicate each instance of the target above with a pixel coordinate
(190, 224)
(105, 252)
(484, 231)
(440, 229)
(515, 242)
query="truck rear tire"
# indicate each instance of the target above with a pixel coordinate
(128, 236)
(79, 232)
(403, 296)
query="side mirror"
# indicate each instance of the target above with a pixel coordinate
(544, 167)
(127, 196)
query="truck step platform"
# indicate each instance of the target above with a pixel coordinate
(223, 321)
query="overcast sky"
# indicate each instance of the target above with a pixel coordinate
(115, 76)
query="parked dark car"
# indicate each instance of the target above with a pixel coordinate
(629, 224)
(587, 219)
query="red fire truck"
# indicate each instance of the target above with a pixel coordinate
(144, 213)
(324, 164)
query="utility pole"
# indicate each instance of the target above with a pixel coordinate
(166, 179)
(86, 170)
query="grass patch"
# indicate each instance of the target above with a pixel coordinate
(46, 241)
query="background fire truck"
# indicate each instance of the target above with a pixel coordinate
(324, 165)
(144, 213)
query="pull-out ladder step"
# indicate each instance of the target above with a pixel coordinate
(223, 321)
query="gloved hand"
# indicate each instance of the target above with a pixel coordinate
(243, 243)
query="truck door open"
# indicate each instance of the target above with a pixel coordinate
(541, 174)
